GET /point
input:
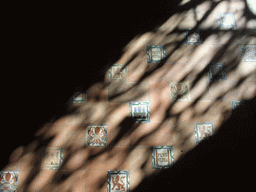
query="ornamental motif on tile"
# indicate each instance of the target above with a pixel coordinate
(118, 181)
(156, 54)
(116, 72)
(139, 111)
(193, 37)
(217, 72)
(79, 98)
(53, 158)
(236, 103)
(203, 131)
(9, 180)
(179, 91)
(226, 20)
(162, 157)
(248, 53)
(97, 135)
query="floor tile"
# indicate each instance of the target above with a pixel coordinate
(53, 158)
(226, 20)
(217, 71)
(203, 131)
(9, 180)
(248, 53)
(118, 73)
(193, 37)
(236, 103)
(162, 157)
(140, 111)
(118, 180)
(179, 91)
(96, 135)
(155, 54)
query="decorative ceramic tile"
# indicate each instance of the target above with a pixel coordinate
(236, 103)
(118, 181)
(8, 181)
(140, 111)
(117, 73)
(97, 135)
(226, 20)
(156, 53)
(193, 37)
(178, 89)
(162, 157)
(79, 98)
(252, 6)
(217, 72)
(53, 159)
(203, 130)
(248, 52)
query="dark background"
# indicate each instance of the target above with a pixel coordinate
(53, 51)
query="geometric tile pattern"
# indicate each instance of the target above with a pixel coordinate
(203, 131)
(236, 103)
(117, 73)
(97, 135)
(217, 72)
(226, 20)
(179, 90)
(139, 111)
(162, 157)
(155, 53)
(118, 181)
(248, 53)
(53, 158)
(193, 37)
(79, 98)
(8, 180)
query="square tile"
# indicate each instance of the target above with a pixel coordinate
(9, 180)
(79, 97)
(226, 20)
(179, 89)
(155, 53)
(217, 72)
(118, 181)
(140, 111)
(248, 53)
(251, 5)
(53, 158)
(117, 73)
(193, 37)
(162, 157)
(236, 103)
(96, 135)
(203, 130)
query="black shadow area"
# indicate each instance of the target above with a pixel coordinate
(226, 161)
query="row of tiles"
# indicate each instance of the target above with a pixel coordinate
(156, 157)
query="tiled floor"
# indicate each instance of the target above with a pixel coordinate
(154, 109)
